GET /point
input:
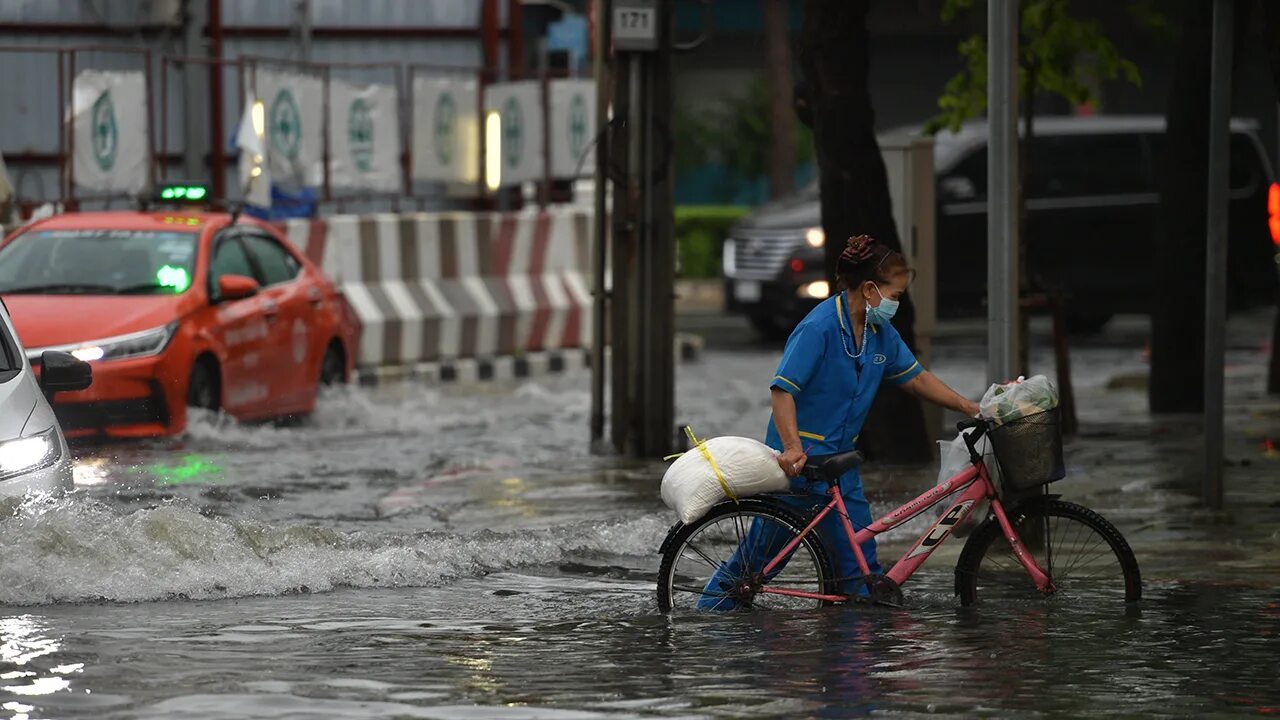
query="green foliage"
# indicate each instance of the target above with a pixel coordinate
(1058, 54)
(734, 134)
(700, 234)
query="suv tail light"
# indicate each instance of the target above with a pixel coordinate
(1273, 210)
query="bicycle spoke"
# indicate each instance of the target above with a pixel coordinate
(705, 558)
(743, 550)
(709, 566)
(698, 591)
(1078, 554)
(1099, 541)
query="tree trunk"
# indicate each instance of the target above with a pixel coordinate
(782, 121)
(1177, 311)
(1271, 21)
(855, 191)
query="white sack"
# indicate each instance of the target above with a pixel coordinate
(749, 466)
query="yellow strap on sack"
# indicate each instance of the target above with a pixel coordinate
(701, 445)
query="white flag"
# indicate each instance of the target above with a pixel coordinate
(109, 126)
(251, 143)
(364, 137)
(294, 126)
(519, 108)
(446, 128)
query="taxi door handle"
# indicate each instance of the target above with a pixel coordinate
(271, 310)
(316, 298)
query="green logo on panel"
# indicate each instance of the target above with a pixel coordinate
(512, 132)
(577, 125)
(285, 126)
(105, 133)
(360, 134)
(445, 121)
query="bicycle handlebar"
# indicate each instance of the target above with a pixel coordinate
(968, 423)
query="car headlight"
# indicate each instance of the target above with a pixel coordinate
(815, 237)
(141, 344)
(29, 453)
(816, 290)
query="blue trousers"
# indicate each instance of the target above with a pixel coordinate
(764, 541)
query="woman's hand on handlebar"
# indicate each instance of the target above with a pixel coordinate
(792, 461)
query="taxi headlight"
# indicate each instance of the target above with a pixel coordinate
(141, 344)
(30, 453)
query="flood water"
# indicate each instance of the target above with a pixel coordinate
(460, 554)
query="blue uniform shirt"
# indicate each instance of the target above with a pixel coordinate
(832, 390)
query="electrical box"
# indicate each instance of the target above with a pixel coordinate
(635, 25)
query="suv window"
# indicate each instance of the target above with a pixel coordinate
(1246, 170)
(277, 264)
(968, 180)
(1082, 165)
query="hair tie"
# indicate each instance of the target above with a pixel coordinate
(858, 250)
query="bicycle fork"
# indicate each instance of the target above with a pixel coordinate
(1043, 583)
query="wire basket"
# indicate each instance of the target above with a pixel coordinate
(1029, 450)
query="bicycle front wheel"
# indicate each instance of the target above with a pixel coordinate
(1085, 557)
(717, 563)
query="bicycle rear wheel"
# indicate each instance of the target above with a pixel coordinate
(1085, 557)
(717, 563)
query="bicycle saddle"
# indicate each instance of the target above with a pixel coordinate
(827, 468)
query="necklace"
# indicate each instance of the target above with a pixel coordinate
(845, 341)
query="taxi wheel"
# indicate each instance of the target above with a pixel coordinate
(203, 391)
(333, 368)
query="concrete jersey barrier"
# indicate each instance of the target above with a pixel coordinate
(435, 287)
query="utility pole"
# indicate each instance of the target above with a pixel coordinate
(302, 21)
(642, 314)
(194, 115)
(1215, 306)
(1002, 190)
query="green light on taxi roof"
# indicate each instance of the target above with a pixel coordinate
(173, 277)
(183, 192)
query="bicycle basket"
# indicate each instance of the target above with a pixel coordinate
(1029, 450)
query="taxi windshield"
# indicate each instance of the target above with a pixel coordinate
(98, 262)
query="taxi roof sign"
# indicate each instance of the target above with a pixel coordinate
(187, 192)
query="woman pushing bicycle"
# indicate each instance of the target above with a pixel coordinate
(831, 369)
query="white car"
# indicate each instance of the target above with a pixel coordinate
(33, 452)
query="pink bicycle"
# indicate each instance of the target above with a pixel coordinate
(1041, 547)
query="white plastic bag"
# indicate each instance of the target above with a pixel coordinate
(749, 467)
(953, 456)
(1020, 398)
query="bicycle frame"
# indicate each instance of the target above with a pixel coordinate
(975, 482)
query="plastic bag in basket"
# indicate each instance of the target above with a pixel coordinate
(1003, 403)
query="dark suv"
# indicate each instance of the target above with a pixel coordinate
(1092, 194)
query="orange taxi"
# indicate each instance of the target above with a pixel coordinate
(175, 309)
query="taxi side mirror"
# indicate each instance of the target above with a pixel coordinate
(237, 287)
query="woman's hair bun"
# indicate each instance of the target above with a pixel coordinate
(858, 250)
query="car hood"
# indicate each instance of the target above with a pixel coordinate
(798, 211)
(17, 399)
(55, 320)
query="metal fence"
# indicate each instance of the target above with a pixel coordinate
(174, 153)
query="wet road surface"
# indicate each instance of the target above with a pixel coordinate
(458, 553)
